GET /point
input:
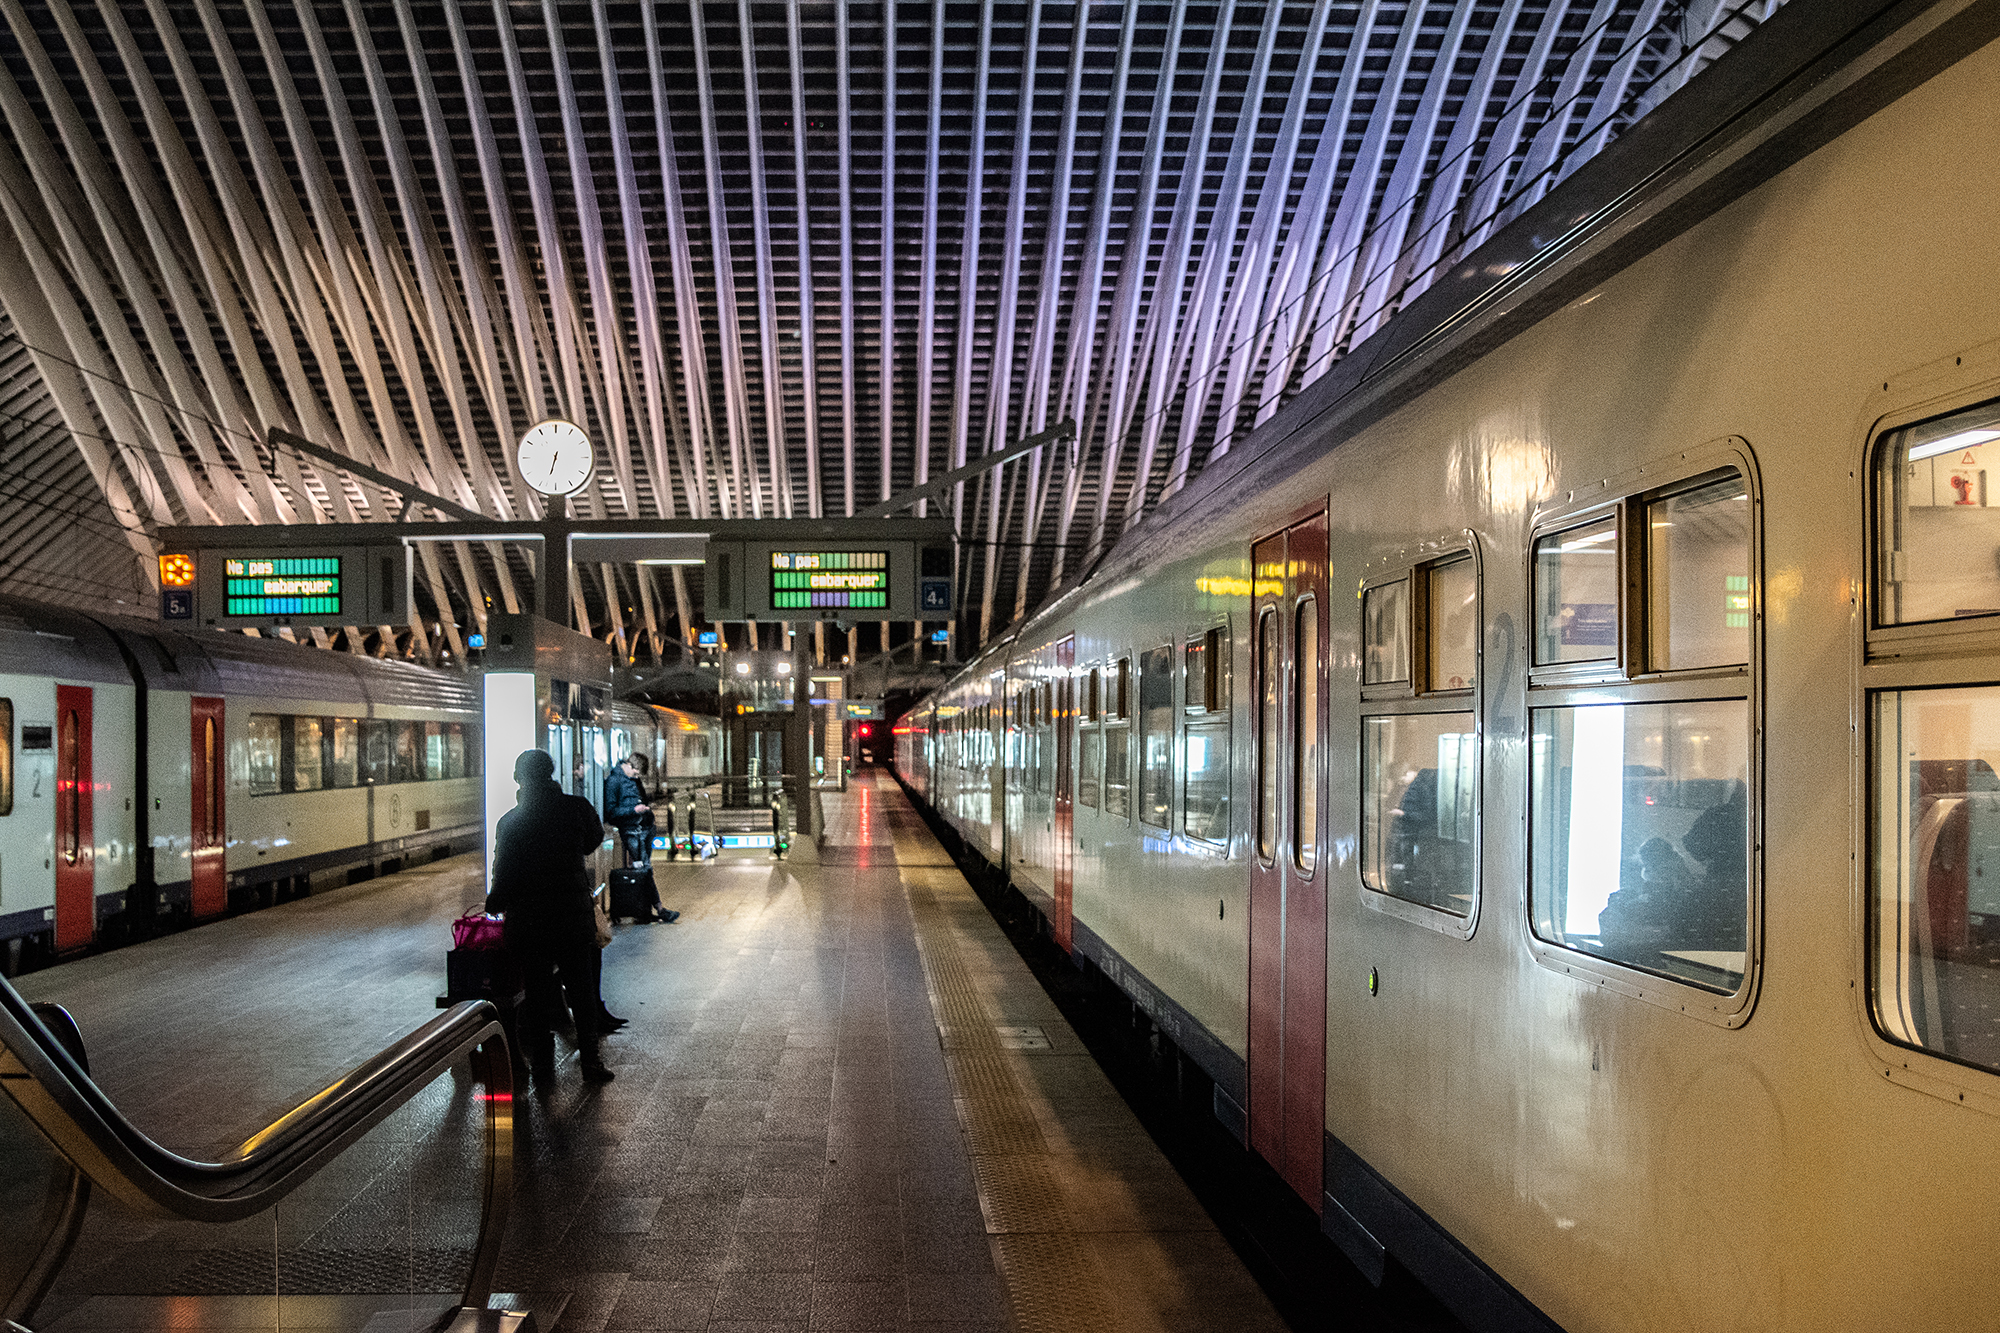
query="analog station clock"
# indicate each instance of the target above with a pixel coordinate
(555, 458)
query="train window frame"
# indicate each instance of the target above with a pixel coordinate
(1118, 740)
(1887, 639)
(1417, 697)
(1157, 778)
(1202, 652)
(1899, 659)
(6, 757)
(1628, 678)
(1206, 721)
(1376, 592)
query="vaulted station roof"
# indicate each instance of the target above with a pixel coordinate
(775, 258)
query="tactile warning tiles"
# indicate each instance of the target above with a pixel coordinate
(1051, 1281)
(1041, 1275)
(1019, 1194)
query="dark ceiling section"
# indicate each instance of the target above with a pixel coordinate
(776, 259)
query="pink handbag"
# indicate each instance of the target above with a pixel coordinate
(476, 930)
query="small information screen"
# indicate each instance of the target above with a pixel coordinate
(804, 579)
(282, 585)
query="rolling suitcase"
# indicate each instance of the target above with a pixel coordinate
(633, 893)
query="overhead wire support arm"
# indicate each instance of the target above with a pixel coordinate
(412, 495)
(937, 486)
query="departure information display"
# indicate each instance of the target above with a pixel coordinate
(282, 586)
(805, 579)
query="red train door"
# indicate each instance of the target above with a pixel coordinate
(1065, 849)
(209, 891)
(76, 869)
(1287, 881)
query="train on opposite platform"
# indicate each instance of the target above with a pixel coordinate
(152, 778)
(1548, 774)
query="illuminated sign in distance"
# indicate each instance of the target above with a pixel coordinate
(829, 579)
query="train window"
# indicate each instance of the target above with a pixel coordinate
(1419, 811)
(6, 756)
(1451, 625)
(1932, 495)
(1305, 738)
(1640, 834)
(69, 783)
(1090, 765)
(1576, 593)
(377, 745)
(433, 747)
(1092, 696)
(408, 765)
(1207, 678)
(1215, 682)
(303, 763)
(343, 762)
(1698, 577)
(1156, 736)
(1122, 703)
(1385, 633)
(1641, 819)
(1205, 802)
(264, 747)
(1420, 753)
(1117, 770)
(211, 813)
(1267, 736)
(1934, 911)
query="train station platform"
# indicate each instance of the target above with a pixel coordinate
(842, 1102)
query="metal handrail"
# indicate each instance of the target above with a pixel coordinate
(55, 1092)
(40, 1273)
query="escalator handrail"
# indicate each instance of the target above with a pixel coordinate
(76, 1115)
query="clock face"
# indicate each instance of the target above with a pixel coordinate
(555, 458)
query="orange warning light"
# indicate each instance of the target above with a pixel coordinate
(177, 571)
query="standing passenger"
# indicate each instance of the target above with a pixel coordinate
(625, 809)
(542, 887)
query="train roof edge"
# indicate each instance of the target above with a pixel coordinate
(1763, 106)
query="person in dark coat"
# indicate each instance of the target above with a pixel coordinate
(542, 887)
(625, 809)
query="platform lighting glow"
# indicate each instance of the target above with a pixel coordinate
(1596, 813)
(784, 668)
(742, 668)
(1965, 439)
(510, 729)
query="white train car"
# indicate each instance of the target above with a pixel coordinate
(1549, 775)
(684, 748)
(149, 778)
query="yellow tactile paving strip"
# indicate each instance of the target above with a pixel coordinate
(1089, 1226)
(1051, 1281)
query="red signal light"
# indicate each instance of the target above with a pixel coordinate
(867, 729)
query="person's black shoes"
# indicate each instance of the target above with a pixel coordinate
(597, 1074)
(611, 1022)
(666, 916)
